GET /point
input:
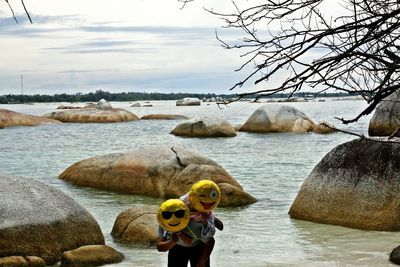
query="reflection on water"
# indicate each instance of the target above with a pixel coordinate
(271, 167)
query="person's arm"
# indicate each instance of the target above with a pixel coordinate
(208, 248)
(165, 245)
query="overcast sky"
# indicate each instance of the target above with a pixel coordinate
(117, 46)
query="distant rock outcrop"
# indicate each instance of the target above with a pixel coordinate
(189, 102)
(355, 185)
(205, 127)
(103, 104)
(273, 118)
(137, 225)
(39, 220)
(386, 119)
(102, 113)
(10, 118)
(164, 172)
(163, 117)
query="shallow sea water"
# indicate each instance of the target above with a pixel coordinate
(271, 167)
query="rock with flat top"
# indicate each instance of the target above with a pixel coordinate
(92, 255)
(189, 101)
(10, 118)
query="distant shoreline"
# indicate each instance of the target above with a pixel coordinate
(142, 96)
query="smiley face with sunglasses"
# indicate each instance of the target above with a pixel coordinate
(173, 215)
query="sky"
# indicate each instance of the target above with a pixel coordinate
(117, 46)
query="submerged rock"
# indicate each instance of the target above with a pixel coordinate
(395, 255)
(22, 261)
(355, 185)
(92, 255)
(163, 117)
(188, 101)
(205, 127)
(10, 118)
(386, 119)
(164, 172)
(274, 118)
(39, 220)
(137, 225)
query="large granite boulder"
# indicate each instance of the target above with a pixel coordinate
(163, 172)
(189, 101)
(357, 184)
(205, 127)
(273, 118)
(10, 118)
(386, 119)
(137, 225)
(39, 220)
(163, 117)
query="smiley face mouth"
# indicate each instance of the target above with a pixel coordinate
(170, 224)
(206, 205)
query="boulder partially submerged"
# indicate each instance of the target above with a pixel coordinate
(189, 101)
(39, 220)
(163, 172)
(91, 255)
(137, 225)
(273, 118)
(163, 117)
(386, 119)
(10, 118)
(355, 185)
(205, 127)
(103, 112)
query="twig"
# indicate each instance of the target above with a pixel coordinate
(26, 11)
(12, 11)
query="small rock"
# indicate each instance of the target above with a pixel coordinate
(92, 255)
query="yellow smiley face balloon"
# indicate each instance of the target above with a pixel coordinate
(173, 215)
(204, 195)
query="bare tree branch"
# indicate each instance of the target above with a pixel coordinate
(291, 45)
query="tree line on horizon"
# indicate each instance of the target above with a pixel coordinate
(135, 96)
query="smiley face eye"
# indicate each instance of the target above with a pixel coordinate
(213, 194)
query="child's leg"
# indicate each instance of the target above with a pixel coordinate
(178, 256)
(200, 254)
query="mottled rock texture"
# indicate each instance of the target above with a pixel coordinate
(357, 184)
(39, 220)
(386, 119)
(92, 255)
(10, 118)
(205, 127)
(188, 101)
(164, 172)
(137, 225)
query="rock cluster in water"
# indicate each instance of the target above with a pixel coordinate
(103, 112)
(163, 172)
(355, 185)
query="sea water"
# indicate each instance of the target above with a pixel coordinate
(271, 167)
